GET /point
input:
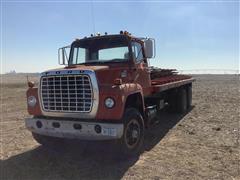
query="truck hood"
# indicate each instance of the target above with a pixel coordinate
(84, 67)
(105, 74)
(78, 67)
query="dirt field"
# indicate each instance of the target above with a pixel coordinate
(203, 144)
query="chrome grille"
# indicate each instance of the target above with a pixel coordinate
(66, 93)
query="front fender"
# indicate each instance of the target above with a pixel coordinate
(119, 94)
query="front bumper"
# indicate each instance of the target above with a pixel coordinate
(69, 129)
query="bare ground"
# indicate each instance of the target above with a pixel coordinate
(203, 144)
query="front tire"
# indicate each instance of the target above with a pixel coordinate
(132, 140)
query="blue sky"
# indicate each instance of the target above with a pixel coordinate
(189, 35)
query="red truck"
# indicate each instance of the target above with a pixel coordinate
(106, 91)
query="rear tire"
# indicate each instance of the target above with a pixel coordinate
(172, 102)
(132, 140)
(189, 96)
(182, 101)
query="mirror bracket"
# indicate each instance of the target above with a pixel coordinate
(63, 56)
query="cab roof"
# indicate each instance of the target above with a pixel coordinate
(125, 34)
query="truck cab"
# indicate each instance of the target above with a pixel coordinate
(105, 91)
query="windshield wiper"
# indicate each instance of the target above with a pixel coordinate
(117, 60)
(90, 62)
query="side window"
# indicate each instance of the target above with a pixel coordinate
(137, 52)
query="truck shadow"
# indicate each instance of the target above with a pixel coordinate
(97, 161)
(166, 121)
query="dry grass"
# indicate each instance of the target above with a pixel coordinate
(203, 144)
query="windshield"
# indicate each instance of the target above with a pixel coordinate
(102, 50)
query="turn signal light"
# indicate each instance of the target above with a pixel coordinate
(30, 84)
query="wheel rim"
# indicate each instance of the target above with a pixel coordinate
(132, 133)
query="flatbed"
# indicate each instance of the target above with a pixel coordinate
(169, 82)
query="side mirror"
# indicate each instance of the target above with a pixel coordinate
(149, 47)
(63, 55)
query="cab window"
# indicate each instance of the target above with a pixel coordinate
(137, 52)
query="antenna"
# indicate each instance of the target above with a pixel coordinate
(93, 18)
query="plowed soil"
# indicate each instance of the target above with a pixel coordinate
(202, 144)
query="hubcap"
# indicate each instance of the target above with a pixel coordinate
(134, 134)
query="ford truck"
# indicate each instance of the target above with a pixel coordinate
(106, 91)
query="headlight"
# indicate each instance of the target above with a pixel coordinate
(109, 102)
(32, 101)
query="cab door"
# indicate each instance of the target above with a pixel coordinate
(141, 71)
